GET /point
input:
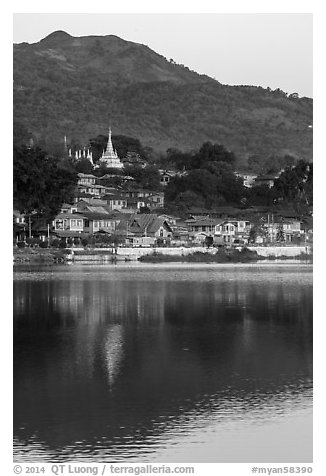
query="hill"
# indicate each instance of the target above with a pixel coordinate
(71, 86)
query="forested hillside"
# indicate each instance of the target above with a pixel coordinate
(78, 86)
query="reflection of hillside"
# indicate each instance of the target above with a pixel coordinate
(162, 348)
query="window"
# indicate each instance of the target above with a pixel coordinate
(59, 224)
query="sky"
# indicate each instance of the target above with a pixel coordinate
(262, 49)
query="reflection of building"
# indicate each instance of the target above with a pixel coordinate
(113, 350)
(110, 157)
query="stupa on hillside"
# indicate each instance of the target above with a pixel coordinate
(110, 157)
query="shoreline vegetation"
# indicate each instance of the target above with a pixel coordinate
(229, 256)
(50, 256)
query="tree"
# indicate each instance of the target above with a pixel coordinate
(41, 183)
(295, 184)
(280, 233)
(146, 177)
(215, 184)
(98, 144)
(84, 166)
(177, 159)
(260, 195)
(184, 201)
(212, 153)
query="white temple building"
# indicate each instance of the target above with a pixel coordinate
(110, 157)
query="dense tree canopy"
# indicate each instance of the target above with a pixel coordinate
(295, 185)
(207, 155)
(145, 177)
(293, 188)
(41, 183)
(270, 165)
(210, 179)
(211, 153)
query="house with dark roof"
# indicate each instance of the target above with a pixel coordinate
(95, 222)
(156, 200)
(69, 225)
(86, 179)
(267, 179)
(116, 202)
(204, 224)
(145, 225)
(68, 208)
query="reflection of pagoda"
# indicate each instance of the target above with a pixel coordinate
(110, 157)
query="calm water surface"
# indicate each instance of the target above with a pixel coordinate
(169, 363)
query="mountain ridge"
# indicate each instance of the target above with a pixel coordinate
(77, 86)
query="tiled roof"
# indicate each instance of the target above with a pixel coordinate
(75, 216)
(98, 216)
(92, 201)
(99, 209)
(146, 223)
(206, 221)
(81, 175)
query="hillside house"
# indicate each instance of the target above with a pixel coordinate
(166, 176)
(132, 159)
(86, 179)
(116, 202)
(156, 200)
(268, 179)
(92, 189)
(248, 179)
(68, 208)
(135, 193)
(85, 203)
(137, 203)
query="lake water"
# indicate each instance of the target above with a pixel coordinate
(163, 363)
